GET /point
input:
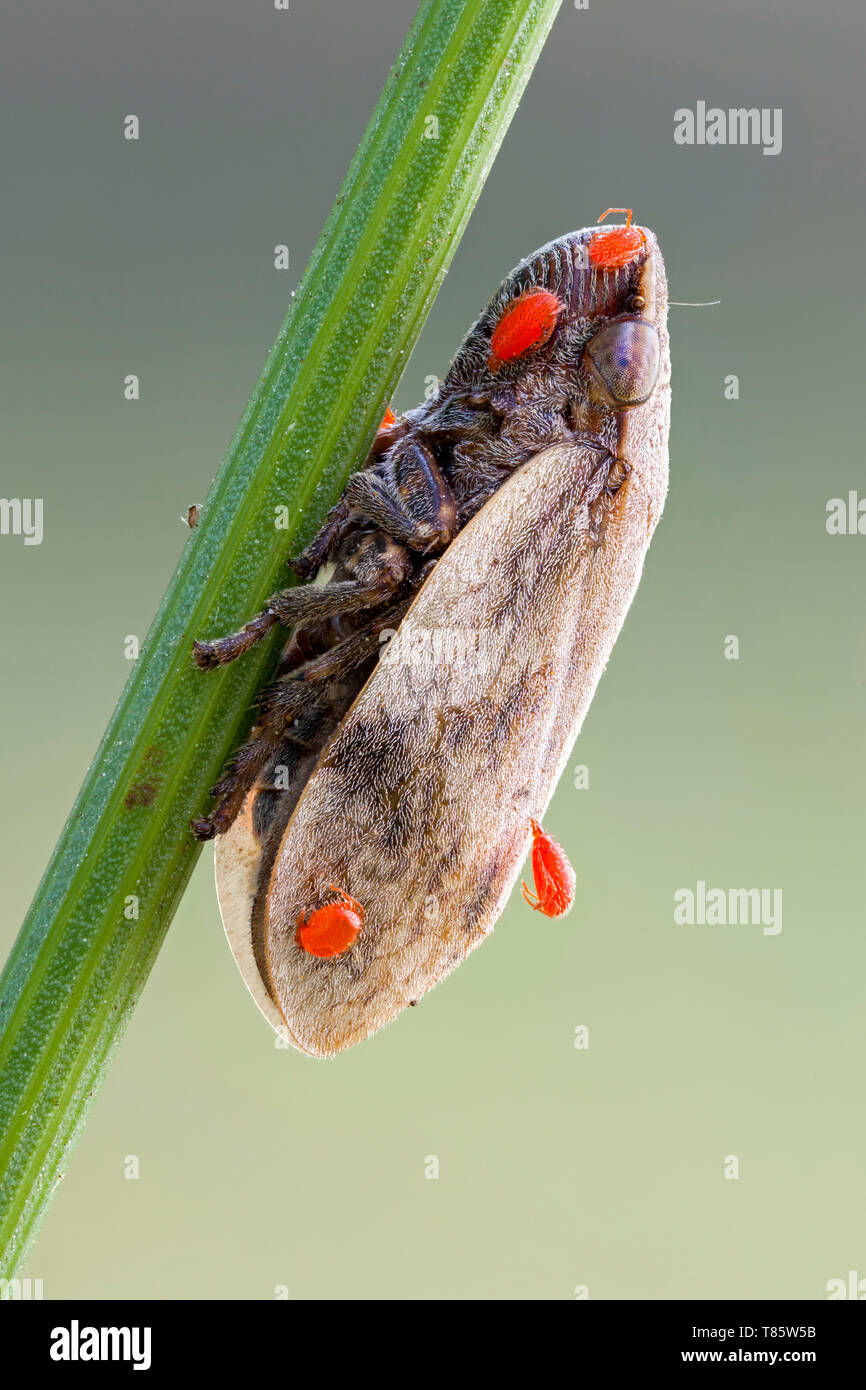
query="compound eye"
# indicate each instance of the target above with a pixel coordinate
(526, 325)
(623, 362)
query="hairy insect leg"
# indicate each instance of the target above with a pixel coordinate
(289, 608)
(408, 496)
(377, 566)
(208, 655)
(351, 653)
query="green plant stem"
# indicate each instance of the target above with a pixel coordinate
(123, 860)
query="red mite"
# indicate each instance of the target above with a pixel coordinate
(330, 929)
(527, 323)
(553, 875)
(616, 248)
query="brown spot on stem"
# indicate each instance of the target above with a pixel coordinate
(145, 786)
(140, 794)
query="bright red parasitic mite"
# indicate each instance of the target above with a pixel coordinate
(613, 249)
(330, 929)
(554, 877)
(527, 323)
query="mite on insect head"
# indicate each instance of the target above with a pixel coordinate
(619, 245)
(370, 830)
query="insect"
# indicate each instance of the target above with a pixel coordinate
(465, 594)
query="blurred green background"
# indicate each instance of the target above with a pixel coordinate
(558, 1167)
